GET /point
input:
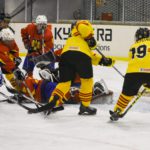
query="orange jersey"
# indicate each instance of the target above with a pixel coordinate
(31, 38)
(41, 89)
(34, 87)
(7, 55)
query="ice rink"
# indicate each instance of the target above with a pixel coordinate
(66, 130)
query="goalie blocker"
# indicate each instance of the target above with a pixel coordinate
(44, 59)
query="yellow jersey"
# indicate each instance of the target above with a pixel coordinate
(77, 43)
(139, 57)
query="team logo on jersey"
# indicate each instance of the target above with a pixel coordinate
(75, 48)
(144, 69)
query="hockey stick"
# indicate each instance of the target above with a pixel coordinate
(33, 110)
(46, 107)
(43, 40)
(97, 49)
(4, 100)
(30, 94)
(13, 91)
(135, 100)
(115, 116)
(14, 101)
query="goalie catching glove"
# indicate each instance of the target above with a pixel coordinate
(106, 62)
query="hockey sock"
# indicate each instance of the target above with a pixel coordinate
(85, 93)
(122, 102)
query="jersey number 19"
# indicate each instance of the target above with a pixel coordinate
(139, 52)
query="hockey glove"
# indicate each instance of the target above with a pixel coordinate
(19, 74)
(17, 61)
(106, 62)
(92, 43)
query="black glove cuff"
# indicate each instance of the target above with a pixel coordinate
(91, 42)
(105, 61)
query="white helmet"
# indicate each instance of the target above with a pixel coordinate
(6, 35)
(41, 19)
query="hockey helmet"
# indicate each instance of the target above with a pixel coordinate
(41, 19)
(142, 33)
(83, 28)
(6, 35)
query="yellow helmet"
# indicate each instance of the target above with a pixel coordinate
(83, 28)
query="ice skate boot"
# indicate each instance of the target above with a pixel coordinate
(87, 110)
(115, 115)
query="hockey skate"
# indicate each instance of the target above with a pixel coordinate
(87, 110)
(115, 115)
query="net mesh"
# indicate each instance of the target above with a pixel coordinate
(123, 10)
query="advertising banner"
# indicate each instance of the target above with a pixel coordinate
(114, 40)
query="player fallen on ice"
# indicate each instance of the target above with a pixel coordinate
(38, 39)
(42, 89)
(137, 73)
(77, 57)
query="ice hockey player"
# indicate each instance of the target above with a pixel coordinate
(137, 73)
(9, 54)
(38, 39)
(42, 89)
(77, 57)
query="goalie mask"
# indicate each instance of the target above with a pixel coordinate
(142, 33)
(46, 74)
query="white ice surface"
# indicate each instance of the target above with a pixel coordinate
(66, 130)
